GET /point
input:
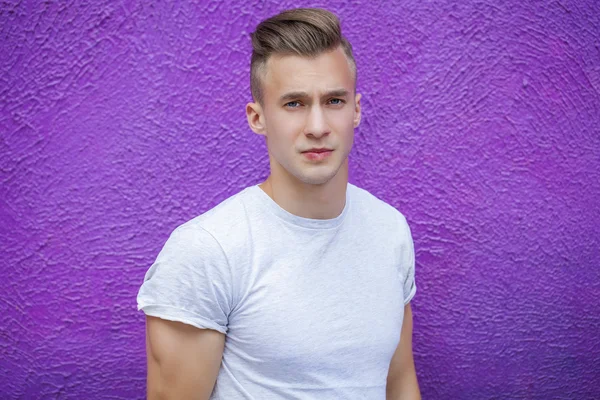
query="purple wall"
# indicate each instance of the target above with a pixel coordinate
(481, 124)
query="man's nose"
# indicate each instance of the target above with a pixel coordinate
(316, 124)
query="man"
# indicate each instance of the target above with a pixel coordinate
(299, 287)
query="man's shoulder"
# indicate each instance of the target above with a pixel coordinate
(375, 207)
(221, 220)
(381, 219)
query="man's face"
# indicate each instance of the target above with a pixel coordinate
(309, 104)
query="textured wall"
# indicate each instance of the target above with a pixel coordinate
(121, 120)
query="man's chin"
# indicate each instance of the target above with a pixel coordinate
(318, 176)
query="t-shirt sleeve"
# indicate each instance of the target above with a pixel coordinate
(189, 282)
(408, 263)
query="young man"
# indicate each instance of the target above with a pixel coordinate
(299, 287)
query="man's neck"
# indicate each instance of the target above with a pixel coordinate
(324, 201)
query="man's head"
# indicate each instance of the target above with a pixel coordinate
(305, 32)
(303, 80)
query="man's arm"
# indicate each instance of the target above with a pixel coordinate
(402, 377)
(183, 361)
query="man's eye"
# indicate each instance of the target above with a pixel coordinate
(336, 101)
(292, 104)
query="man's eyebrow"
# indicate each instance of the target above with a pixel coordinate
(301, 95)
(337, 93)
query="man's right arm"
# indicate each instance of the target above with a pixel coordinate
(183, 361)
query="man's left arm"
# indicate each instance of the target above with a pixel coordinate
(402, 377)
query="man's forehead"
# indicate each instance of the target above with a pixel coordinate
(294, 73)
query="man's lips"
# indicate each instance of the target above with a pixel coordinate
(317, 154)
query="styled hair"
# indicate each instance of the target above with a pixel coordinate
(306, 32)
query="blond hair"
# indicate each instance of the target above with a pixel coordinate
(305, 32)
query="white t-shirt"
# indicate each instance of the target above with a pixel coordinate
(311, 309)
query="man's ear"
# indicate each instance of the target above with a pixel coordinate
(357, 109)
(256, 119)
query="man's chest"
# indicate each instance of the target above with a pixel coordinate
(320, 310)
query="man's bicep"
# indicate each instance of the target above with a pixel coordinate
(402, 378)
(403, 354)
(183, 361)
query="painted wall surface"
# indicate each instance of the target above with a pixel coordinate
(121, 120)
